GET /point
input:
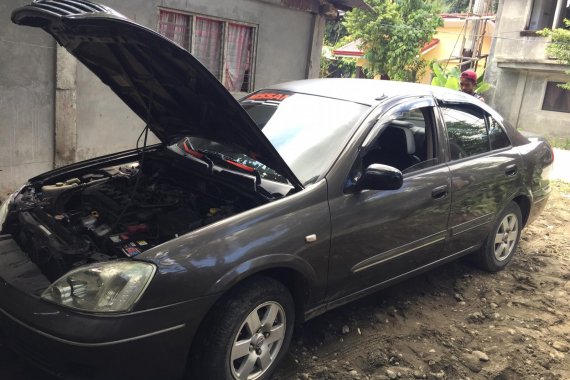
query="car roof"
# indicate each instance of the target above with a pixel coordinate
(369, 91)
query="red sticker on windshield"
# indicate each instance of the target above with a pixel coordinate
(268, 96)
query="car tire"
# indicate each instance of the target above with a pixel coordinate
(246, 333)
(501, 244)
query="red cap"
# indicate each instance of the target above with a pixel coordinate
(469, 74)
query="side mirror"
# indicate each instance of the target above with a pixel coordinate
(379, 177)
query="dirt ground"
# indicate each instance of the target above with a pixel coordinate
(455, 322)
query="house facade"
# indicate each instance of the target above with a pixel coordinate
(449, 42)
(54, 111)
(524, 78)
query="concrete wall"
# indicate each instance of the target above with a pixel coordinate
(519, 71)
(87, 118)
(106, 125)
(283, 40)
(510, 44)
(531, 117)
(27, 69)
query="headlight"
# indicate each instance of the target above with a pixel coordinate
(109, 287)
(4, 209)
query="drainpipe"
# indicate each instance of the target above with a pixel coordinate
(520, 90)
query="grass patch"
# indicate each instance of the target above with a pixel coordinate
(560, 142)
(561, 186)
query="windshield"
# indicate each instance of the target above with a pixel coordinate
(308, 131)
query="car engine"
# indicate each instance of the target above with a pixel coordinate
(115, 212)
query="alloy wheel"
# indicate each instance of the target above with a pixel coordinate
(506, 237)
(258, 341)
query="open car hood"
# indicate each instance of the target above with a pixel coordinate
(160, 81)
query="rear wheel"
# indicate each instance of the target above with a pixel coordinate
(502, 242)
(248, 332)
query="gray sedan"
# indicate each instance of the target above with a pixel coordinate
(198, 256)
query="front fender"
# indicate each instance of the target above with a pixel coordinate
(262, 263)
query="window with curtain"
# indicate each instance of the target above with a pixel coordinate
(175, 26)
(225, 48)
(548, 14)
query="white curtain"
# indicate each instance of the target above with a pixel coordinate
(175, 26)
(207, 44)
(237, 61)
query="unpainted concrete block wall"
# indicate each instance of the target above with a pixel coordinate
(27, 69)
(44, 95)
(105, 125)
(519, 70)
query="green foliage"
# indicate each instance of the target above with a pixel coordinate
(335, 67)
(456, 6)
(462, 6)
(560, 142)
(445, 78)
(335, 31)
(393, 35)
(450, 78)
(559, 48)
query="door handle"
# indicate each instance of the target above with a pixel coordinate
(511, 170)
(440, 192)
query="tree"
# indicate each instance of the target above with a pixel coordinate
(559, 47)
(393, 35)
(462, 6)
(335, 67)
(335, 31)
(456, 6)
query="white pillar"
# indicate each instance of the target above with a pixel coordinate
(65, 108)
(559, 8)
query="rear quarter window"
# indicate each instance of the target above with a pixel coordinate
(497, 135)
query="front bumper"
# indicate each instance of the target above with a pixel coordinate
(148, 344)
(159, 356)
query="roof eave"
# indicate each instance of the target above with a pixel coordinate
(347, 5)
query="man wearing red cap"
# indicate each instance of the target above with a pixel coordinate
(467, 81)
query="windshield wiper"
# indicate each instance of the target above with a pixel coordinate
(189, 149)
(223, 158)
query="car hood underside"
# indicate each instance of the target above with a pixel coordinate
(161, 82)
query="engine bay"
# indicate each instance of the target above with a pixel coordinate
(116, 212)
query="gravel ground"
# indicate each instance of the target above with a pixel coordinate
(561, 168)
(455, 322)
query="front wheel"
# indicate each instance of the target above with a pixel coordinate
(502, 242)
(248, 332)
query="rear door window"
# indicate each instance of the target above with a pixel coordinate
(466, 131)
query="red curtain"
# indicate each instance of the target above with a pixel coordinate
(207, 44)
(238, 56)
